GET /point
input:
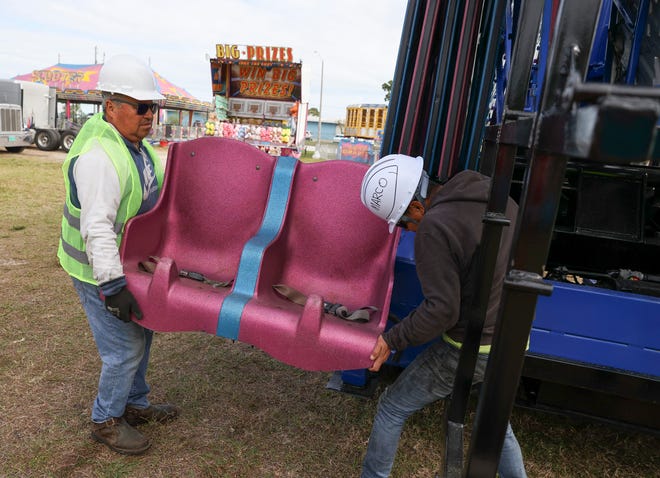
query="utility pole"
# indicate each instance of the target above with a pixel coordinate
(317, 153)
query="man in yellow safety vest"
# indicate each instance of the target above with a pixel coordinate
(112, 174)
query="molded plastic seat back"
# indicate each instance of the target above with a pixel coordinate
(332, 249)
(212, 202)
(231, 212)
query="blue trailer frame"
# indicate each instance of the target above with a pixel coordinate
(585, 340)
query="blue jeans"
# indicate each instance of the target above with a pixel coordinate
(124, 351)
(428, 378)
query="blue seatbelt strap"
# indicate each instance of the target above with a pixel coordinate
(229, 318)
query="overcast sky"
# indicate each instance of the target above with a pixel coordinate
(358, 40)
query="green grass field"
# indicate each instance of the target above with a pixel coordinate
(244, 414)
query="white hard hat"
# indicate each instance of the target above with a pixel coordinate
(390, 184)
(127, 75)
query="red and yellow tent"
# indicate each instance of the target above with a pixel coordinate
(78, 83)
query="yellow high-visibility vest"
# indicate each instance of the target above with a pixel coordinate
(97, 132)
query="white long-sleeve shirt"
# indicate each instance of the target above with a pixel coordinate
(99, 194)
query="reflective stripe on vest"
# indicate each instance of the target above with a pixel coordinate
(483, 349)
(97, 132)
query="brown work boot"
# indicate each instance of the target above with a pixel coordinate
(119, 436)
(159, 413)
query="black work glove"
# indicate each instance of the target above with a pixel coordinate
(122, 304)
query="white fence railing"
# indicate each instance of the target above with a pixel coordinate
(166, 132)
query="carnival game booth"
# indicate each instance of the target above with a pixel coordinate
(258, 98)
(181, 116)
(267, 250)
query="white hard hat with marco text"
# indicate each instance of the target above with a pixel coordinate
(127, 75)
(390, 184)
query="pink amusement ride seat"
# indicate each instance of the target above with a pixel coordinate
(231, 223)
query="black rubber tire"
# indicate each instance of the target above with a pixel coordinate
(67, 140)
(47, 139)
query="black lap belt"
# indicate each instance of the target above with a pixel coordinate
(150, 266)
(360, 315)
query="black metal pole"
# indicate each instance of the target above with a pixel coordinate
(481, 92)
(457, 90)
(402, 74)
(419, 86)
(443, 78)
(571, 46)
(511, 135)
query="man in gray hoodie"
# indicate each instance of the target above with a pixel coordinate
(447, 220)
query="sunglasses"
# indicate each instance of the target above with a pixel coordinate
(141, 108)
